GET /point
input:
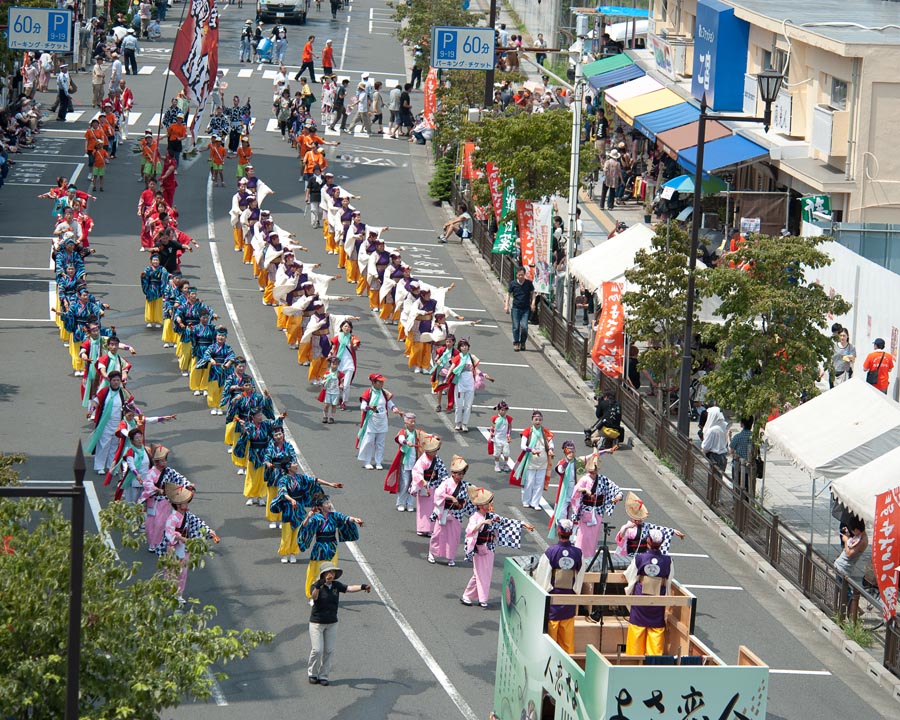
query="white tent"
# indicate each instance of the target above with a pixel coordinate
(608, 261)
(857, 489)
(839, 431)
(621, 31)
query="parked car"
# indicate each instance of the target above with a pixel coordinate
(282, 10)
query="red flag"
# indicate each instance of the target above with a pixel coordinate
(608, 353)
(886, 549)
(525, 218)
(495, 185)
(430, 102)
(469, 171)
(195, 56)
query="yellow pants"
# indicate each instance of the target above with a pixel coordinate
(214, 394)
(288, 540)
(248, 253)
(229, 433)
(313, 570)
(373, 298)
(317, 368)
(271, 492)
(199, 378)
(168, 332)
(304, 353)
(362, 283)
(342, 257)
(420, 355)
(238, 236)
(64, 334)
(294, 326)
(387, 310)
(268, 293)
(401, 333)
(563, 632)
(254, 482)
(352, 270)
(238, 462)
(645, 641)
(185, 361)
(153, 311)
(330, 244)
(262, 277)
(281, 318)
(74, 350)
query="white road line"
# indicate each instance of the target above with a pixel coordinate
(94, 503)
(344, 46)
(445, 419)
(782, 671)
(25, 237)
(44, 162)
(51, 298)
(361, 560)
(28, 320)
(154, 120)
(512, 407)
(439, 277)
(517, 512)
(272, 125)
(245, 73)
(15, 267)
(74, 116)
(146, 70)
(673, 554)
(712, 587)
(478, 310)
(487, 364)
(269, 74)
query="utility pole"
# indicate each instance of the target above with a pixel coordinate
(575, 157)
(489, 75)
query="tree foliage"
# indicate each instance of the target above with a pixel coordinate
(655, 311)
(139, 654)
(417, 17)
(774, 333)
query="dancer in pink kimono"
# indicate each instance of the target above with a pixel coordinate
(427, 474)
(485, 531)
(451, 503)
(593, 499)
(154, 497)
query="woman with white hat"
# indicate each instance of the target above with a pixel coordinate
(485, 531)
(325, 594)
(451, 502)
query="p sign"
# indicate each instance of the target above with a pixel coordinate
(40, 29)
(461, 48)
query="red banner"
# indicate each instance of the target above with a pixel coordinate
(430, 101)
(886, 549)
(525, 218)
(496, 186)
(195, 55)
(469, 171)
(608, 353)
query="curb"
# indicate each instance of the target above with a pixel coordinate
(824, 625)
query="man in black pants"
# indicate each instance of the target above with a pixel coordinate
(520, 301)
(340, 99)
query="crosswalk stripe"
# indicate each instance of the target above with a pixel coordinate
(147, 70)
(269, 74)
(133, 117)
(74, 116)
(272, 125)
(245, 72)
(154, 121)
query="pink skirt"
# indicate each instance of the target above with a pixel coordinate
(445, 538)
(156, 524)
(424, 508)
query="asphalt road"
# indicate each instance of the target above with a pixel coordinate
(409, 649)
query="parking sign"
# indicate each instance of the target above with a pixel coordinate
(40, 29)
(461, 48)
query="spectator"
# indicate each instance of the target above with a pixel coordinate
(855, 541)
(842, 359)
(740, 455)
(520, 301)
(878, 366)
(715, 440)
(540, 57)
(612, 176)
(461, 225)
(422, 131)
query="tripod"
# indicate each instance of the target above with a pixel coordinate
(596, 614)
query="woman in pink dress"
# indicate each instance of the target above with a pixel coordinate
(451, 503)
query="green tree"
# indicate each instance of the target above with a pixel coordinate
(532, 149)
(417, 17)
(655, 311)
(773, 337)
(139, 654)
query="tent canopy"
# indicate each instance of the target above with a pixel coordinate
(621, 31)
(647, 103)
(608, 261)
(613, 77)
(614, 62)
(654, 123)
(838, 431)
(640, 86)
(676, 139)
(721, 153)
(857, 489)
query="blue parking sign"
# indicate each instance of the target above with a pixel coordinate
(40, 29)
(462, 48)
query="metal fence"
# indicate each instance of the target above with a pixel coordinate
(796, 559)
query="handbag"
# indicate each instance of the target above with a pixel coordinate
(611, 433)
(872, 375)
(73, 88)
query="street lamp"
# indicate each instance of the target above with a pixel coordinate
(770, 82)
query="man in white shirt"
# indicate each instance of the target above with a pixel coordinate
(281, 82)
(394, 109)
(115, 72)
(361, 105)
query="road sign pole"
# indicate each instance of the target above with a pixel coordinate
(489, 75)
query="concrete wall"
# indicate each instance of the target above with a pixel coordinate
(539, 18)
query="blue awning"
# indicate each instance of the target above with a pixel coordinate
(613, 77)
(653, 123)
(722, 153)
(619, 11)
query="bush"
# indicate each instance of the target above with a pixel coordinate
(441, 183)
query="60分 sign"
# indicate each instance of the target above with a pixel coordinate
(461, 48)
(40, 29)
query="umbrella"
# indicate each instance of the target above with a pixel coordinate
(685, 184)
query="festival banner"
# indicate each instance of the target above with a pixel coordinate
(430, 102)
(608, 353)
(543, 247)
(505, 239)
(494, 183)
(469, 171)
(195, 55)
(886, 549)
(525, 220)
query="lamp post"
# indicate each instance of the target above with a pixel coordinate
(769, 82)
(575, 157)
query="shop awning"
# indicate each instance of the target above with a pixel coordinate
(614, 77)
(629, 109)
(725, 152)
(858, 489)
(658, 121)
(614, 62)
(682, 137)
(633, 88)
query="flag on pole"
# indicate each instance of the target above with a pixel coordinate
(505, 239)
(495, 183)
(608, 353)
(886, 549)
(195, 56)
(430, 104)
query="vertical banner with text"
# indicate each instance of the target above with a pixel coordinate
(543, 246)
(886, 549)
(495, 183)
(608, 353)
(429, 106)
(195, 55)
(505, 239)
(525, 220)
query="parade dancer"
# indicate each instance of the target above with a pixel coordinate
(399, 477)
(653, 572)
(560, 571)
(156, 504)
(485, 531)
(594, 498)
(202, 337)
(532, 468)
(322, 529)
(296, 494)
(464, 377)
(153, 282)
(218, 358)
(451, 503)
(632, 538)
(133, 467)
(330, 395)
(255, 435)
(500, 436)
(569, 469)
(277, 453)
(374, 404)
(440, 371)
(106, 413)
(344, 346)
(428, 472)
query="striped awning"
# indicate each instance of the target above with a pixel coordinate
(633, 88)
(629, 109)
(659, 121)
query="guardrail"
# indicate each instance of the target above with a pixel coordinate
(796, 559)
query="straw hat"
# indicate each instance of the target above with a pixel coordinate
(458, 464)
(635, 507)
(480, 496)
(431, 443)
(178, 495)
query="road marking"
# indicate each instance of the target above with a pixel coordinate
(245, 72)
(683, 555)
(513, 407)
(51, 298)
(424, 230)
(146, 70)
(154, 120)
(90, 492)
(361, 560)
(824, 673)
(73, 116)
(445, 419)
(517, 512)
(133, 117)
(24, 268)
(438, 276)
(344, 46)
(27, 320)
(487, 364)
(269, 74)
(272, 125)
(712, 587)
